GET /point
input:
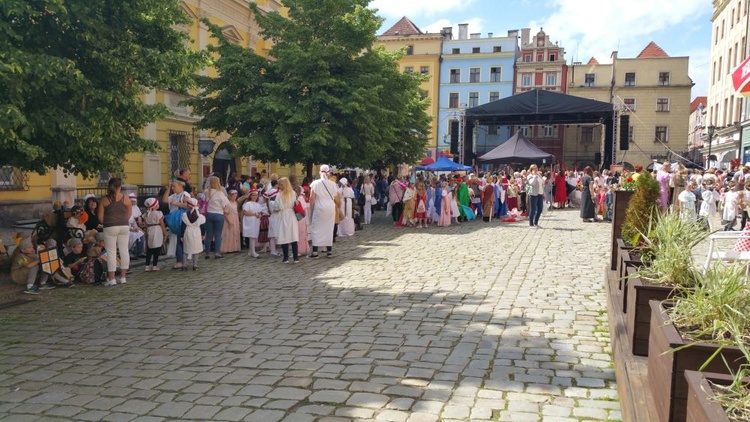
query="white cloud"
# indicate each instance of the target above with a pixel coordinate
(475, 26)
(418, 8)
(594, 28)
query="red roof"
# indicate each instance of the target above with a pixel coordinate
(403, 27)
(698, 100)
(592, 61)
(651, 51)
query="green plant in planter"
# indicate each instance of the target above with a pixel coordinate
(735, 397)
(667, 249)
(641, 208)
(716, 310)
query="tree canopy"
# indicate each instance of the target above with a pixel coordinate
(73, 74)
(323, 94)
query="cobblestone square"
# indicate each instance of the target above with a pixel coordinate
(478, 321)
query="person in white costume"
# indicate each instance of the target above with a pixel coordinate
(323, 211)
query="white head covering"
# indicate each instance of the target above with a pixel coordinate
(151, 202)
(192, 202)
(343, 181)
(90, 195)
(325, 169)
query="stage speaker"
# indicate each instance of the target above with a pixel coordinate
(598, 158)
(454, 136)
(624, 132)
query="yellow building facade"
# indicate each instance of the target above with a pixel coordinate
(422, 54)
(28, 195)
(653, 89)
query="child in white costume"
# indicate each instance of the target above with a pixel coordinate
(155, 233)
(192, 234)
(252, 210)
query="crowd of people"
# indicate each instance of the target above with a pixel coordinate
(264, 213)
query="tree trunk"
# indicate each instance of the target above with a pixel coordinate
(309, 169)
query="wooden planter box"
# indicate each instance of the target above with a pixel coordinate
(666, 369)
(621, 201)
(622, 247)
(638, 315)
(700, 407)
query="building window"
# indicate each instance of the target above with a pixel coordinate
(660, 134)
(552, 57)
(663, 78)
(526, 80)
(409, 69)
(453, 100)
(494, 95)
(104, 177)
(524, 130)
(587, 135)
(473, 99)
(456, 51)
(409, 50)
(496, 74)
(12, 178)
(527, 58)
(497, 49)
(548, 131)
(662, 104)
(455, 76)
(631, 133)
(629, 104)
(425, 70)
(589, 79)
(475, 50)
(630, 79)
(474, 75)
(551, 80)
(492, 130)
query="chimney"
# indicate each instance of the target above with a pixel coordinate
(463, 31)
(490, 34)
(447, 33)
(475, 36)
(525, 35)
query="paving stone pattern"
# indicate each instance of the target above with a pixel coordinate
(482, 321)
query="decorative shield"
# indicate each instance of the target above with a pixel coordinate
(49, 260)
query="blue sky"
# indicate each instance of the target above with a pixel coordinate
(585, 28)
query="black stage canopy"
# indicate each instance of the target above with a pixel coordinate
(540, 107)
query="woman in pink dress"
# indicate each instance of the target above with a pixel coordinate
(445, 206)
(231, 233)
(663, 176)
(302, 245)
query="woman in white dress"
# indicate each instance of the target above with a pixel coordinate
(346, 225)
(273, 220)
(368, 189)
(252, 211)
(287, 229)
(323, 212)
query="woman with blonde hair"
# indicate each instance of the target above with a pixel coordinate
(288, 229)
(217, 202)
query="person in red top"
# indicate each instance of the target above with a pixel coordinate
(561, 191)
(420, 205)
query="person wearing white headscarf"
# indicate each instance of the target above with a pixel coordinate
(323, 211)
(346, 225)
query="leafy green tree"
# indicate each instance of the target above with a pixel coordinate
(324, 94)
(73, 74)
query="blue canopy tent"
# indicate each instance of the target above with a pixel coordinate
(444, 164)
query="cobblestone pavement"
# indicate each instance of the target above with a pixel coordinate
(482, 321)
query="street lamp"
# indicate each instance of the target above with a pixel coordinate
(711, 129)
